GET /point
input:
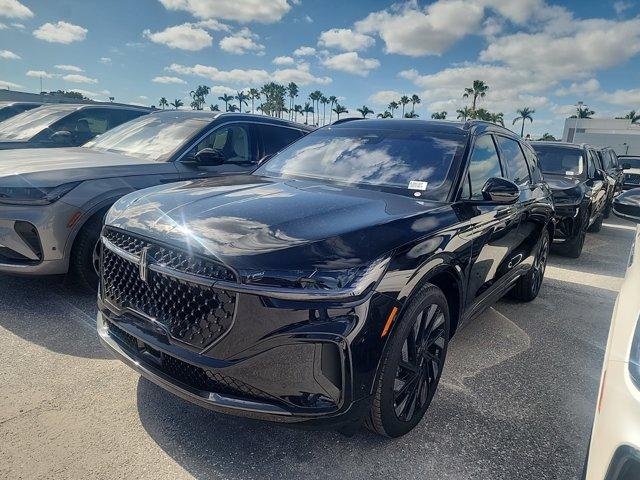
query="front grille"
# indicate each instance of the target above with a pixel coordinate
(194, 314)
(188, 374)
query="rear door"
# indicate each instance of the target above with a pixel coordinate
(492, 228)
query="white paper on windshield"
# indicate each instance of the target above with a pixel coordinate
(569, 172)
(418, 185)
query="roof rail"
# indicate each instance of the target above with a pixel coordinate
(344, 120)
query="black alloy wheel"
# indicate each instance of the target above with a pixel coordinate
(412, 364)
(528, 285)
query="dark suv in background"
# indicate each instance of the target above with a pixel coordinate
(64, 125)
(581, 191)
(323, 289)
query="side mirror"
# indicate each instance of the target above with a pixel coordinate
(500, 190)
(209, 157)
(599, 175)
(627, 205)
(62, 137)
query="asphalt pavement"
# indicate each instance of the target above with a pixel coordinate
(516, 400)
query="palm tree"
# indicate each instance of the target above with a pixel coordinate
(339, 109)
(333, 100)
(297, 109)
(439, 115)
(633, 116)
(479, 89)
(226, 99)
(547, 137)
(386, 114)
(463, 114)
(177, 103)
(242, 99)
(412, 115)
(525, 113)
(254, 94)
(415, 99)
(481, 114)
(583, 112)
(364, 111)
(392, 106)
(497, 118)
(315, 100)
(214, 108)
(198, 95)
(292, 91)
(324, 100)
(404, 100)
(233, 108)
(307, 110)
(163, 102)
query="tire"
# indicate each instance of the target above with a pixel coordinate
(572, 248)
(427, 317)
(597, 225)
(82, 262)
(528, 286)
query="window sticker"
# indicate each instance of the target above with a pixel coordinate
(569, 172)
(418, 185)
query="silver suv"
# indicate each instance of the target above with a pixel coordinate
(52, 202)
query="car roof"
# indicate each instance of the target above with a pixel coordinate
(446, 126)
(565, 145)
(210, 116)
(70, 107)
(12, 103)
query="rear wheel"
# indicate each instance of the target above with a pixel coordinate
(412, 364)
(83, 264)
(528, 286)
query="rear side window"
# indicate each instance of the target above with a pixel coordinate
(483, 165)
(591, 164)
(275, 139)
(534, 168)
(514, 158)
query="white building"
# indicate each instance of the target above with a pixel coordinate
(620, 134)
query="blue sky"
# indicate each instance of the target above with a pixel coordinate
(538, 53)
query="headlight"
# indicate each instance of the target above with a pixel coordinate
(634, 357)
(35, 195)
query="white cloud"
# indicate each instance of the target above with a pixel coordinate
(579, 88)
(304, 51)
(19, 26)
(620, 7)
(414, 31)
(105, 60)
(212, 24)
(68, 68)
(184, 37)
(166, 79)
(300, 75)
(237, 10)
(221, 90)
(345, 39)
(9, 85)
(9, 55)
(60, 32)
(3, 26)
(629, 98)
(384, 97)
(351, 62)
(241, 42)
(14, 9)
(75, 78)
(143, 97)
(101, 95)
(39, 73)
(284, 60)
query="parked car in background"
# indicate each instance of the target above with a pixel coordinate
(580, 191)
(614, 450)
(9, 109)
(613, 175)
(630, 165)
(52, 202)
(323, 289)
(64, 125)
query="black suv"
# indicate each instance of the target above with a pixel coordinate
(64, 125)
(324, 288)
(581, 191)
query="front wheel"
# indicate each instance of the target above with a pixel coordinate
(412, 364)
(528, 286)
(85, 255)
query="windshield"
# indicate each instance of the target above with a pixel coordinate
(154, 137)
(629, 162)
(559, 160)
(414, 161)
(28, 124)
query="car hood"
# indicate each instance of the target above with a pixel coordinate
(250, 222)
(565, 189)
(43, 167)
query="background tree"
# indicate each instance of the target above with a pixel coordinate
(177, 103)
(315, 100)
(339, 110)
(386, 114)
(214, 108)
(297, 109)
(547, 137)
(439, 115)
(463, 113)
(404, 100)
(332, 100)
(198, 96)
(163, 102)
(364, 111)
(633, 116)
(497, 118)
(525, 113)
(415, 99)
(307, 110)
(392, 106)
(583, 112)
(324, 101)
(233, 108)
(292, 92)
(412, 114)
(254, 94)
(242, 99)
(478, 90)
(226, 99)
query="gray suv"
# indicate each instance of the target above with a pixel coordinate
(52, 202)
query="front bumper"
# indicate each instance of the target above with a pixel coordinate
(568, 223)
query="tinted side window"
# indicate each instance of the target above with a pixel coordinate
(275, 139)
(534, 168)
(483, 165)
(591, 164)
(85, 124)
(231, 140)
(118, 117)
(514, 158)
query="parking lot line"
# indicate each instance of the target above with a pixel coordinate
(607, 282)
